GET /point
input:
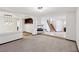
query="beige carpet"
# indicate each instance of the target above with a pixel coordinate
(39, 43)
(26, 33)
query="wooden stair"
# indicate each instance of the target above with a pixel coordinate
(52, 29)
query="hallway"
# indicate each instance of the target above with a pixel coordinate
(39, 43)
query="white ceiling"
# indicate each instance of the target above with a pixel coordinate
(33, 11)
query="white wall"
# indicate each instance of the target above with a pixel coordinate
(28, 28)
(6, 24)
(45, 24)
(8, 29)
(32, 28)
(20, 25)
(77, 27)
(70, 24)
(34, 25)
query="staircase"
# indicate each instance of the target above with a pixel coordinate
(52, 28)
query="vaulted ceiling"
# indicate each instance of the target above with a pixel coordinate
(34, 11)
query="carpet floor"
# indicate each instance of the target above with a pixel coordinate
(39, 43)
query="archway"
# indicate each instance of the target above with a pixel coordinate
(28, 26)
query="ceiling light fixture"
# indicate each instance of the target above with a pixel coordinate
(39, 8)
